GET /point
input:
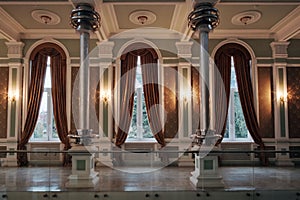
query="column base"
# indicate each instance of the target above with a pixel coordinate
(285, 163)
(207, 182)
(76, 181)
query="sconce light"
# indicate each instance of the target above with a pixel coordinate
(13, 96)
(185, 96)
(105, 96)
(282, 97)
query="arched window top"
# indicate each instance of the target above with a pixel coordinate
(139, 49)
(232, 49)
(48, 49)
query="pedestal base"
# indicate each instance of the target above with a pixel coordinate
(285, 163)
(76, 181)
(206, 174)
(207, 182)
(83, 174)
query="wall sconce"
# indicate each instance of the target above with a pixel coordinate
(105, 96)
(282, 97)
(185, 96)
(13, 96)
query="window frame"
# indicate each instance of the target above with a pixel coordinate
(139, 93)
(50, 115)
(231, 115)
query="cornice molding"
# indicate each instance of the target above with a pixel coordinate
(9, 27)
(55, 33)
(288, 26)
(245, 34)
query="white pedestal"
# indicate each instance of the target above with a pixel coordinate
(83, 174)
(104, 158)
(206, 174)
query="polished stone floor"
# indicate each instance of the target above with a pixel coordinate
(149, 179)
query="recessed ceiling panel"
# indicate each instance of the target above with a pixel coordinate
(140, 1)
(22, 14)
(163, 13)
(270, 15)
(260, 1)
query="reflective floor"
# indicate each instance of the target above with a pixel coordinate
(164, 179)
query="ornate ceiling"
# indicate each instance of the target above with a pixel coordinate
(278, 20)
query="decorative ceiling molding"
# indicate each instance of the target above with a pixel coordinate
(9, 27)
(288, 26)
(111, 18)
(142, 17)
(246, 17)
(55, 33)
(238, 33)
(45, 17)
(149, 33)
(177, 20)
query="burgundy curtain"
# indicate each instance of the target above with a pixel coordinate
(127, 88)
(35, 92)
(151, 94)
(222, 91)
(58, 81)
(242, 67)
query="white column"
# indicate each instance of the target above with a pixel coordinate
(184, 49)
(14, 101)
(105, 49)
(279, 52)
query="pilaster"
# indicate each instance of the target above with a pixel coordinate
(184, 52)
(105, 49)
(15, 64)
(280, 54)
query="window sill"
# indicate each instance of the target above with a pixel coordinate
(237, 141)
(150, 140)
(47, 142)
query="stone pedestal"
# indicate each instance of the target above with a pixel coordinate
(206, 174)
(283, 158)
(104, 157)
(83, 174)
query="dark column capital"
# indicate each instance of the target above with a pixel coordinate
(84, 18)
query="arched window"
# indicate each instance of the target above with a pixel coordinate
(139, 63)
(140, 127)
(45, 128)
(236, 128)
(38, 85)
(235, 57)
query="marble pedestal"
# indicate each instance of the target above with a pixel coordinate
(206, 174)
(83, 173)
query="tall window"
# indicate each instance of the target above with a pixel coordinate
(236, 128)
(45, 129)
(139, 128)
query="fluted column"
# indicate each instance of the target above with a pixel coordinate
(204, 18)
(85, 20)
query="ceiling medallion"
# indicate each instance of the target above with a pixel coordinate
(246, 18)
(45, 17)
(142, 17)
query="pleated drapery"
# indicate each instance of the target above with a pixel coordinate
(149, 66)
(35, 92)
(127, 88)
(242, 67)
(151, 94)
(59, 82)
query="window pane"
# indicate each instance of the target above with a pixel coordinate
(45, 127)
(133, 126)
(241, 130)
(54, 131)
(147, 130)
(40, 131)
(139, 127)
